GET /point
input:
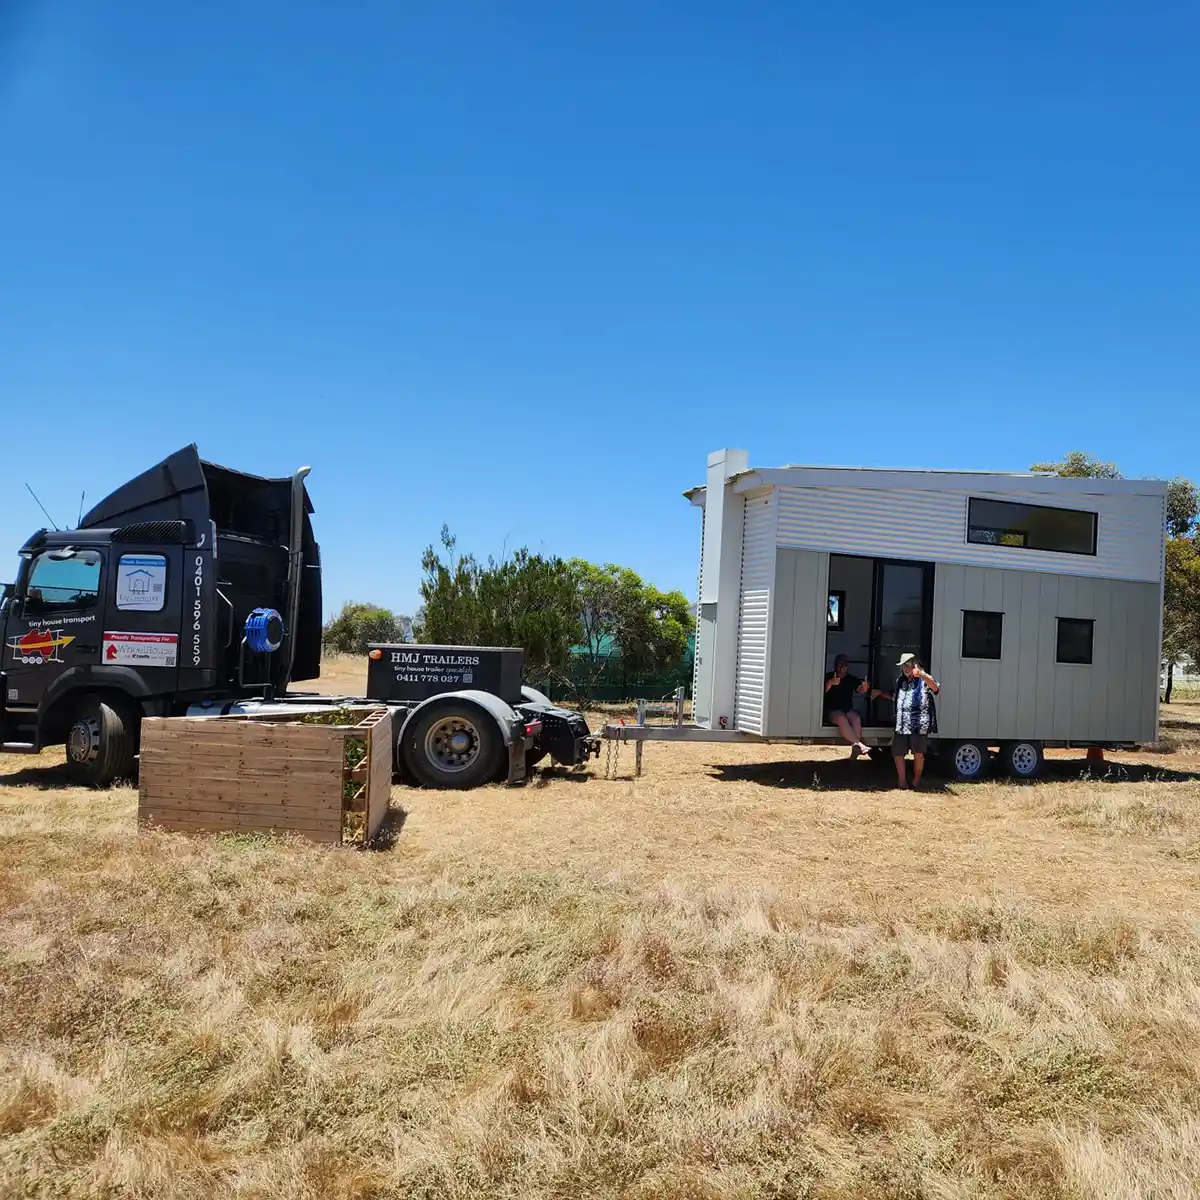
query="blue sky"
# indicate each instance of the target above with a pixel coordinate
(518, 267)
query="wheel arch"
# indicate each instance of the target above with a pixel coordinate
(531, 695)
(60, 703)
(500, 711)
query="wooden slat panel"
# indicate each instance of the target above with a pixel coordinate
(379, 784)
(235, 730)
(289, 815)
(235, 823)
(250, 763)
(233, 798)
(270, 814)
(222, 773)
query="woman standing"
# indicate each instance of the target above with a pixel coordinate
(916, 716)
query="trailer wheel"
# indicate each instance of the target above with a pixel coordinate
(966, 760)
(102, 742)
(1022, 760)
(454, 745)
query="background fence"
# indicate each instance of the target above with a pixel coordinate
(612, 684)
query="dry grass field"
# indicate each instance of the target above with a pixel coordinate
(754, 972)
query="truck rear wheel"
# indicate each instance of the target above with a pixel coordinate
(102, 742)
(454, 745)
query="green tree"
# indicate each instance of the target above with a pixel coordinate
(1181, 596)
(547, 606)
(525, 600)
(1183, 501)
(618, 609)
(1078, 465)
(1183, 507)
(359, 624)
(1181, 606)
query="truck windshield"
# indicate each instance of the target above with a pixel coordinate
(57, 584)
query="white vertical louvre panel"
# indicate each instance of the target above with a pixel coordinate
(697, 655)
(754, 612)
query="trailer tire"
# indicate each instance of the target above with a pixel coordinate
(102, 742)
(454, 744)
(966, 761)
(1022, 760)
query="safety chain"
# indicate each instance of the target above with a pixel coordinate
(612, 759)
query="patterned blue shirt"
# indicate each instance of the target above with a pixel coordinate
(915, 709)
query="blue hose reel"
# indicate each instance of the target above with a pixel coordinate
(264, 631)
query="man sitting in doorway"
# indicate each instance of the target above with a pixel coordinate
(840, 687)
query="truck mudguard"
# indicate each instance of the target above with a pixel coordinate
(127, 680)
(505, 716)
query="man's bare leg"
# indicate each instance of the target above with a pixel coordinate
(918, 767)
(847, 730)
(900, 770)
(856, 725)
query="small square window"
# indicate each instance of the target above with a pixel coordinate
(835, 614)
(1075, 638)
(982, 634)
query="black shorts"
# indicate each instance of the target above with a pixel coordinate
(902, 743)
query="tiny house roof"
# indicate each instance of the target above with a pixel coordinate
(1034, 483)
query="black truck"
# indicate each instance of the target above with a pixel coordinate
(196, 590)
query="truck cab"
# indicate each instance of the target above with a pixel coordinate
(191, 583)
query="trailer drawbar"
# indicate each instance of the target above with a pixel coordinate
(196, 590)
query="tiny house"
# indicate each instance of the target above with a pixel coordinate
(1036, 602)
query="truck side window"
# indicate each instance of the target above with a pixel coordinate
(58, 584)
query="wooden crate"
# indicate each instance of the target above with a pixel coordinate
(215, 774)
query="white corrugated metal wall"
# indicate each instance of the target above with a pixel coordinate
(754, 611)
(700, 661)
(931, 525)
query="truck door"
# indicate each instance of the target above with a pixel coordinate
(143, 606)
(53, 622)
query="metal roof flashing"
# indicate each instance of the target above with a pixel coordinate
(918, 479)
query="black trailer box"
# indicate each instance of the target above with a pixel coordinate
(407, 674)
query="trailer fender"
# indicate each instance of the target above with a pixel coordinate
(510, 724)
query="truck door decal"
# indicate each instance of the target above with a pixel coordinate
(141, 582)
(140, 649)
(39, 645)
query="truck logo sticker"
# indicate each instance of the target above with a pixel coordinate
(141, 582)
(39, 646)
(140, 649)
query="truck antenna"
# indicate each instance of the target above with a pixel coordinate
(41, 506)
(79, 518)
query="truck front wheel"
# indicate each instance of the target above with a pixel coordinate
(453, 745)
(102, 742)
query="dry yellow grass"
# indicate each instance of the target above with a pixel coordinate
(755, 972)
